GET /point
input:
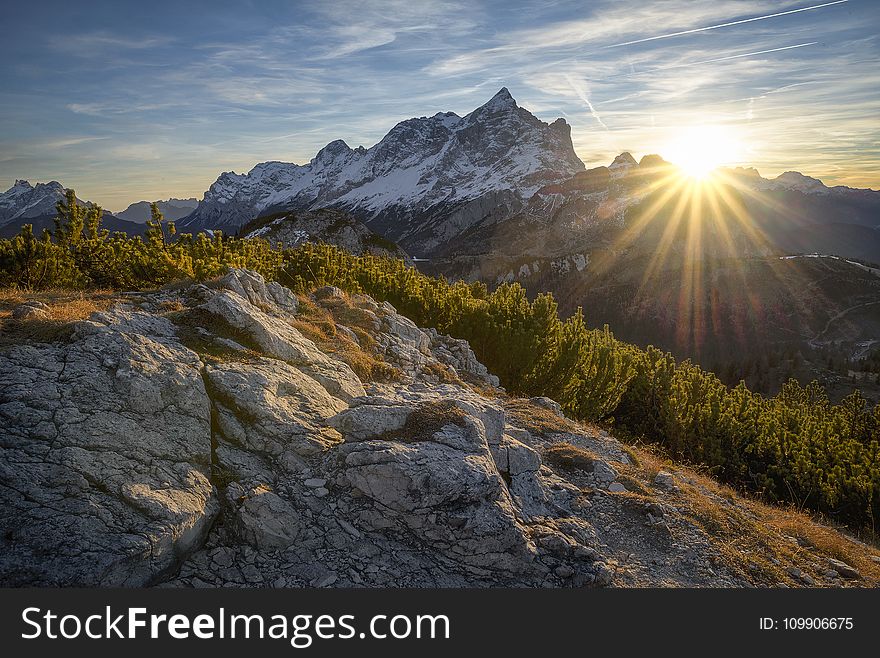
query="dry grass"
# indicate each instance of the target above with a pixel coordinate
(427, 420)
(318, 324)
(535, 418)
(191, 326)
(442, 373)
(570, 458)
(65, 308)
(750, 534)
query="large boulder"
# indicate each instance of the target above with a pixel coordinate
(430, 466)
(106, 452)
(268, 406)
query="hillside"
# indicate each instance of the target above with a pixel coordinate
(292, 228)
(233, 433)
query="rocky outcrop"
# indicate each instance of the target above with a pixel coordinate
(194, 437)
(106, 453)
(293, 228)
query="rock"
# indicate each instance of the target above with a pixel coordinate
(564, 571)
(548, 404)
(324, 581)
(405, 329)
(844, 569)
(604, 473)
(253, 287)
(348, 333)
(801, 575)
(33, 310)
(368, 420)
(266, 521)
(459, 355)
(279, 340)
(604, 575)
(105, 454)
(665, 480)
(328, 292)
(268, 406)
(120, 446)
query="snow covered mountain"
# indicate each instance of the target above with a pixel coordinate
(425, 182)
(24, 203)
(172, 209)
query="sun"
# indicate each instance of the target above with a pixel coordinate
(700, 150)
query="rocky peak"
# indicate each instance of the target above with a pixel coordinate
(500, 102)
(333, 151)
(795, 180)
(25, 201)
(653, 161)
(622, 164)
(625, 159)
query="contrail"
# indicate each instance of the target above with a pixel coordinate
(720, 25)
(582, 94)
(721, 59)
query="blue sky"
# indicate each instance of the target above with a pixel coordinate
(143, 100)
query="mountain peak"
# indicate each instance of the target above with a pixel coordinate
(652, 160)
(500, 101)
(332, 151)
(625, 159)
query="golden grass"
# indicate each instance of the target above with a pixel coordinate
(535, 418)
(570, 458)
(65, 308)
(751, 534)
(318, 324)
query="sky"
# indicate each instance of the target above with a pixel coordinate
(126, 101)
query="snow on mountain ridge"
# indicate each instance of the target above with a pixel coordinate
(420, 163)
(23, 200)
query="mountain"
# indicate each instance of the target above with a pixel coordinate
(426, 181)
(172, 209)
(291, 228)
(24, 203)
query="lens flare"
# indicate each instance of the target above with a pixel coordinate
(699, 150)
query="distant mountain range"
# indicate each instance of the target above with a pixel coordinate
(172, 209)
(443, 185)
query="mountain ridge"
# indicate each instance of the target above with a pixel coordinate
(424, 167)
